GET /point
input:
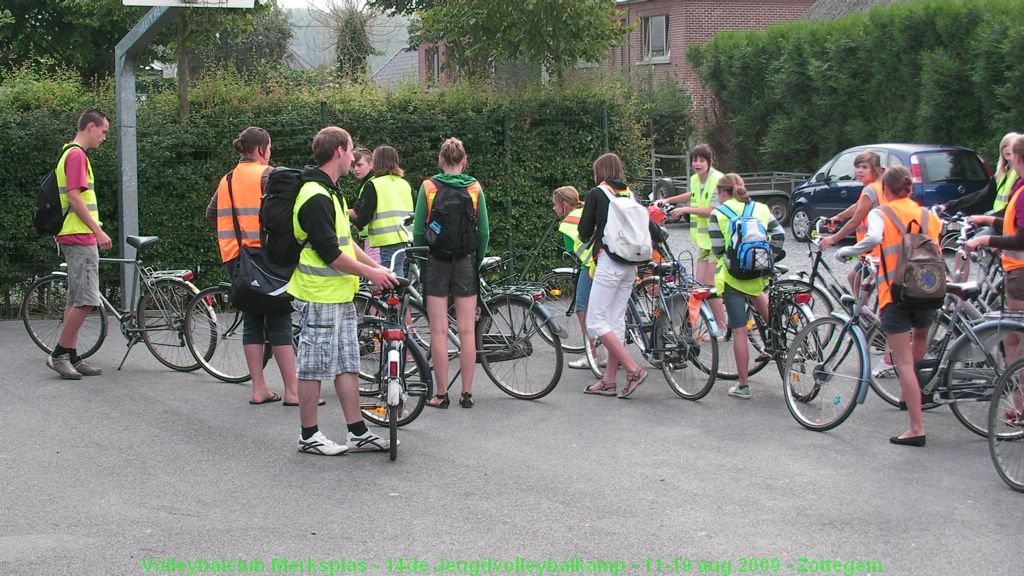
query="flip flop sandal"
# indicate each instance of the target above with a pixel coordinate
(603, 389)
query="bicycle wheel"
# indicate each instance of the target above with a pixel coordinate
(161, 320)
(823, 374)
(559, 298)
(417, 385)
(213, 332)
(42, 312)
(690, 359)
(515, 356)
(369, 311)
(973, 368)
(1006, 426)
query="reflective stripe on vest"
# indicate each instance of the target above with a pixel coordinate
(1004, 190)
(394, 205)
(313, 279)
(431, 189)
(1012, 259)
(247, 190)
(570, 226)
(72, 223)
(905, 211)
(700, 197)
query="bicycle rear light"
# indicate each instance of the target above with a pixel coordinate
(701, 293)
(393, 300)
(188, 276)
(538, 296)
(394, 335)
(802, 298)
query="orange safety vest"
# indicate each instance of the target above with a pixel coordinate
(908, 211)
(247, 190)
(1012, 259)
(431, 189)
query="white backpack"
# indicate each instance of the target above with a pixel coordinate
(626, 232)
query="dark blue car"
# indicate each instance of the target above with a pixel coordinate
(941, 173)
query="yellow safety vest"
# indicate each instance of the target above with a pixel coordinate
(753, 286)
(570, 226)
(1004, 190)
(313, 279)
(73, 224)
(700, 197)
(394, 204)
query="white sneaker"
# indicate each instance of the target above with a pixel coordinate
(368, 442)
(884, 370)
(320, 444)
(580, 364)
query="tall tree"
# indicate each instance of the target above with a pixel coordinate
(78, 34)
(350, 20)
(549, 34)
(263, 45)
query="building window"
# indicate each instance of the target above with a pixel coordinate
(655, 30)
(433, 66)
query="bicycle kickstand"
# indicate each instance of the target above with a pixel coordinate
(131, 342)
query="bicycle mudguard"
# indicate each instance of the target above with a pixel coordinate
(549, 318)
(418, 353)
(563, 270)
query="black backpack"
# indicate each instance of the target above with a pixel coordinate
(277, 235)
(48, 217)
(451, 222)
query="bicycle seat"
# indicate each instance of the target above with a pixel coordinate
(140, 242)
(781, 270)
(664, 268)
(490, 263)
(965, 290)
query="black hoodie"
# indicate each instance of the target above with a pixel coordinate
(317, 216)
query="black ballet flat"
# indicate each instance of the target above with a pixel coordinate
(917, 441)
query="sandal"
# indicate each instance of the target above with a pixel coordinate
(442, 399)
(601, 388)
(633, 381)
(466, 401)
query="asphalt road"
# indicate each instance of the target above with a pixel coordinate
(105, 475)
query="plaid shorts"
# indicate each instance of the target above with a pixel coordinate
(328, 342)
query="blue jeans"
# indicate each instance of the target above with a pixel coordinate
(385, 258)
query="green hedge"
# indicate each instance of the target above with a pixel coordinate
(521, 146)
(937, 71)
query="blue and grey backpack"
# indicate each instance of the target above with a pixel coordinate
(750, 254)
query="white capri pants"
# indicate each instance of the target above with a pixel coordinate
(606, 310)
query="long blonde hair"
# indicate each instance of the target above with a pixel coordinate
(1001, 167)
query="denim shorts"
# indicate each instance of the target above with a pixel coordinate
(735, 307)
(583, 286)
(896, 320)
(328, 342)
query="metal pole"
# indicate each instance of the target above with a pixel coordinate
(128, 179)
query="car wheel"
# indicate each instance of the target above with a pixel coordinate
(663, 188)
(779, 207)
(801, 224)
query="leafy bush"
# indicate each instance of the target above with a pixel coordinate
(937, 71)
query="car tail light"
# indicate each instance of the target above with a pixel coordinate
(915, 169)
(188, 275)
(393, 300)
(701, 293)
(802, 298)
(394, 335)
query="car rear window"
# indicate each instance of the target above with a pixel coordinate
(951, 166)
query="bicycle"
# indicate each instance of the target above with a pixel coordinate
(658, 323)
(1006, 426)
(827, 368)
(159, 297)
(397, 392)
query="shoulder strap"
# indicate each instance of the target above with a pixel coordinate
(234, 212)
(65, 148)
(729, 212)
(748, 209)
(430, 187)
